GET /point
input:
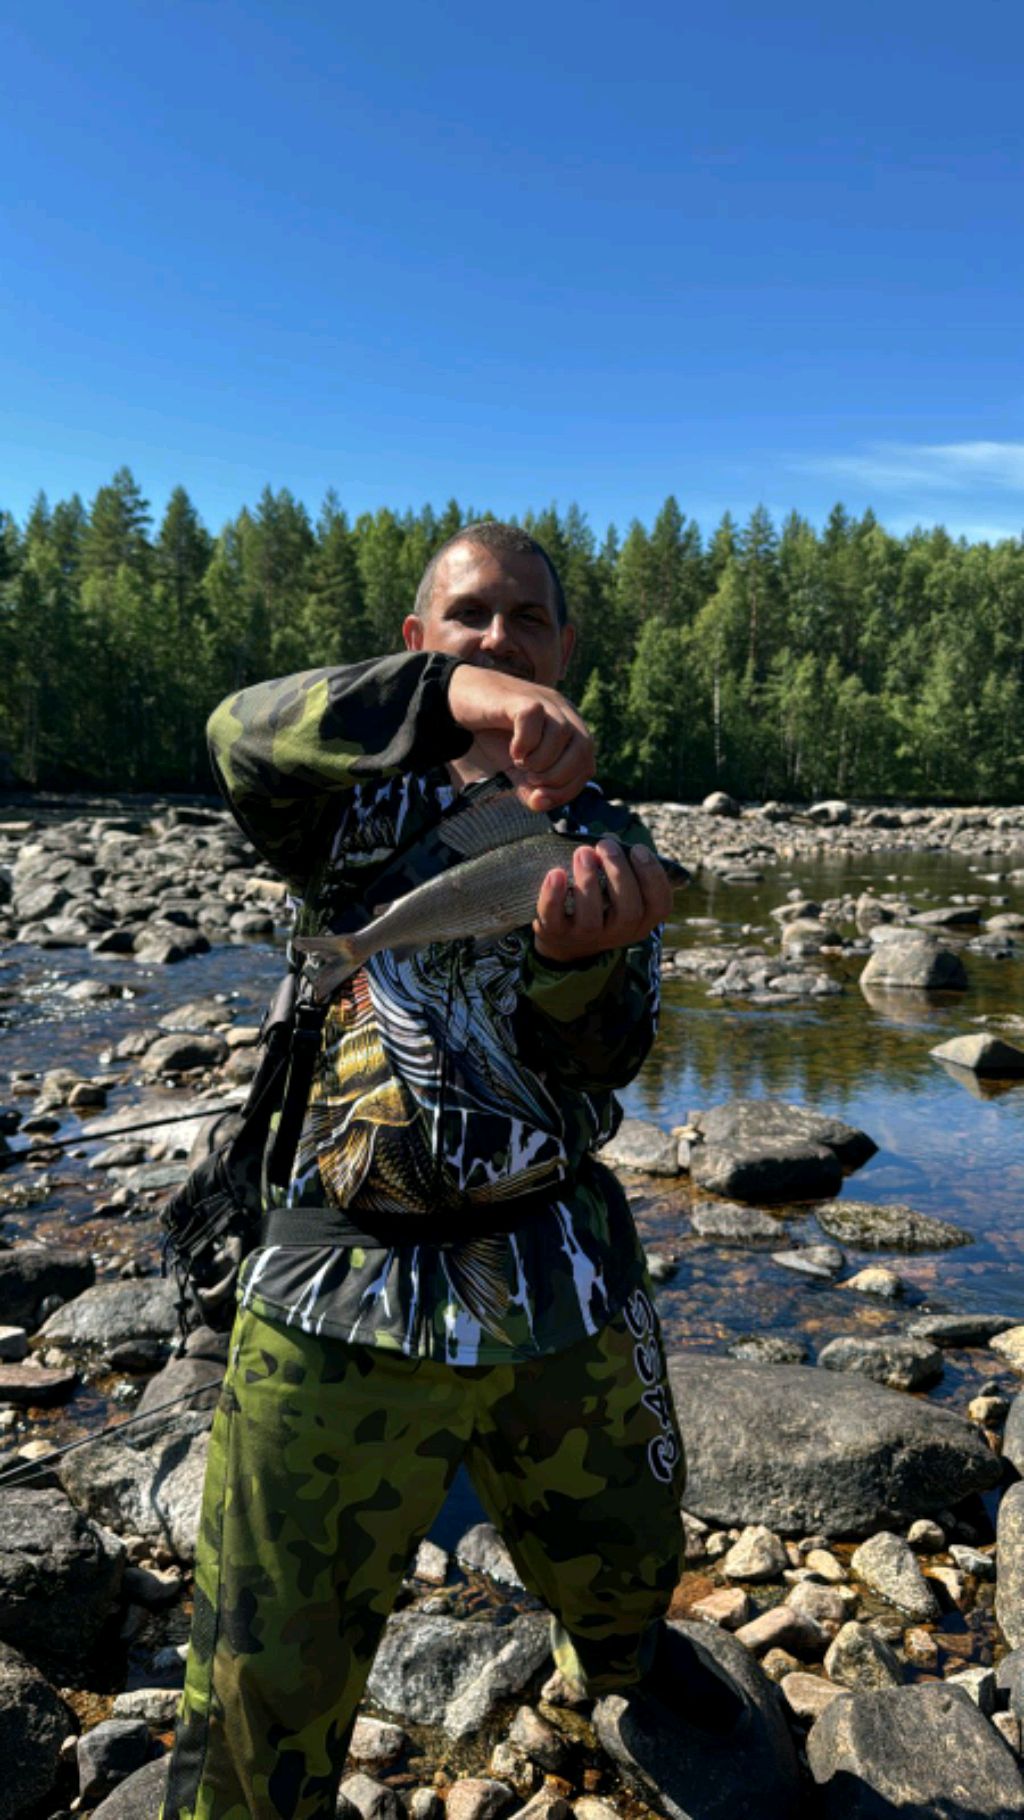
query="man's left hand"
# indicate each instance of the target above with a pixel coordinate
(623, 907)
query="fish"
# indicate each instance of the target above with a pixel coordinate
(506, 852)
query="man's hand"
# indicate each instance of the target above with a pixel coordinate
(525, 729)
(634, 899)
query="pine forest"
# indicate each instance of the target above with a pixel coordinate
(768, 661)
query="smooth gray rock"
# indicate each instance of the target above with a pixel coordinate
(766, 1169)
(922, 1752)
(947, 916)
(453, 1672)
(60, 1576)
(181, 1050)
(34, 1722)
(811, 1260)
(483, 1551)
(805, 1450)
(900, 1362)
(109, 1752)
(639, 1144)
(1010, 1679)
(30, 1274)
(888, 1225)
(686, 1771)
(727, 1223)
(372, 1800)
(139, 1797)
(1010, 1565)
(888, 1564)
(961, 1329)
(110, 1313)
(768, 1349)
(153, 1490)
(982, 1053)
(915, 963)
(750, 1120)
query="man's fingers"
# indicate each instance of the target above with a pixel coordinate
(590, 902)
(654, 886)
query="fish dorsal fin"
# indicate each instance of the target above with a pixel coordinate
(491, 821)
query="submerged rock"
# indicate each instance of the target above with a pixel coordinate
(903, 1364)
(892, 1226)
(805, 1450)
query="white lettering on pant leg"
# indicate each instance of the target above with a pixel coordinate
(663, 1451)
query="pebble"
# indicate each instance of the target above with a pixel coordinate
(973, 1561)
(377, 1743)
(479, 1798)
(825, 1604)
(807, 1696)
(540, 1741)
(979, 1684)
(812, 1260)
(759, 1554)
(886, 1562)
(431, 1564)
(920, 1648)
(778, 1663)
(823, 1563)
(1008, 1727)
(859, 1658)
(952, 1583)
(784, 1627)
(926, 1537)
(727, 1606)
(875, 1279)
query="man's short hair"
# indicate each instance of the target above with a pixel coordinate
(502, 540)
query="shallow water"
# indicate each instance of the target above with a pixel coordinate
(944, 1146)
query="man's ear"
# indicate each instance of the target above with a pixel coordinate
(412, 632)
(568, 646)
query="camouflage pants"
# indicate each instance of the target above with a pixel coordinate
(327, 1466)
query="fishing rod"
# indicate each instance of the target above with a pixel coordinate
(20, 1473)
(8, 1157)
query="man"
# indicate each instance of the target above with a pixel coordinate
(460, 1082)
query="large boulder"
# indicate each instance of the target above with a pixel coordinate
(746, 1121)
(153, 1490)
(733, 1763)
(34, 1722)
(982, 1053)
(911, 961)
(60, 1576)
(803, 1450)
(924, 1751)
(766, 1169)
(30, 1274)
(450, 1672)
(110, 1314)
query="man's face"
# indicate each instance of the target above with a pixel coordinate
(495, 611)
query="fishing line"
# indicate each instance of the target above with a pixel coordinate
(21, 1473)
(93, 1137)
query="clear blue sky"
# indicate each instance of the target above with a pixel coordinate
(741, 253)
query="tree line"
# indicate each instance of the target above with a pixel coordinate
(771, 662)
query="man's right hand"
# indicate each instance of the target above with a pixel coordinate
(525, 729)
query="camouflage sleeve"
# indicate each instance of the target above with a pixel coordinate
(592, 1023)
(283, 751)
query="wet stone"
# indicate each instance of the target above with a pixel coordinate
(730, 1224)
(902, 1363)
(812, 1260)
(894, 1226)
(887, 1563)
(877, 1281)
(371, 1799)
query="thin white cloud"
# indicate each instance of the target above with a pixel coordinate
(944, 467)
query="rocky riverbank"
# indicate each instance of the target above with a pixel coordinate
(855, 1566)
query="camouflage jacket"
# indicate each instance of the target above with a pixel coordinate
(464, 1071)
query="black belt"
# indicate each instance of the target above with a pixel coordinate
(444, 1228)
